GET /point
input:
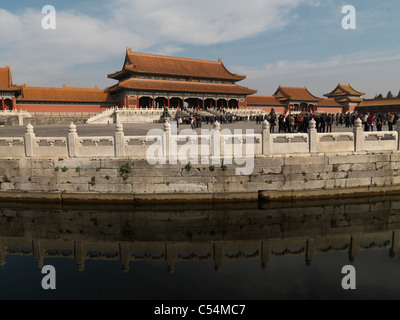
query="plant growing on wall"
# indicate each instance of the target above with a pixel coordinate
(125, 169)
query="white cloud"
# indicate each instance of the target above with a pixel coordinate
(284, 67)
(41, 57)
(207, 21)
(368, 72)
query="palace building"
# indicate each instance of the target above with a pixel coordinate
(156, 81)
(346, 96)
(292, 99)
(8, 91)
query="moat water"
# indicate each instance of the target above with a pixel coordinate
(263, 251)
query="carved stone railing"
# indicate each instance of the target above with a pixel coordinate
(215, 143)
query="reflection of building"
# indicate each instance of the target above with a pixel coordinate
(214, 236)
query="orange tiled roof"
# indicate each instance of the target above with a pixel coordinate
(263, 101)
(380, 102)
(65, 94)
(182, 86)
(164, 65)
(329, 103)
(297, 94)
(6, 80)
(347, 89)
(350, 100)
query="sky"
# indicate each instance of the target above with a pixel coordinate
(299, 43)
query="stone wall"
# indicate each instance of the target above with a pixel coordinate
(125, 179)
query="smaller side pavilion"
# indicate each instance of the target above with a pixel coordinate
(297, 99)
(346, 96)
(8, 91)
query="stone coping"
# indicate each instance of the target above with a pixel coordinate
(159, 199)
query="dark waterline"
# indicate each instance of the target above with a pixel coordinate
(291, 250)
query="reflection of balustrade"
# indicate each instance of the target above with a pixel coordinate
(218, 252)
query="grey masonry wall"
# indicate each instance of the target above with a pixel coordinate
(273, 177)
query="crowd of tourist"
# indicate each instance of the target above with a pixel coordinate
(299, 123)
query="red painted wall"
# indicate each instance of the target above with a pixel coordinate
(61, 108)
(268, 109)
(330, 110)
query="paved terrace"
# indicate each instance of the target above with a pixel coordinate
(132, 129)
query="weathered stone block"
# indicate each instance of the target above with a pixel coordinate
(369, 174)
(359, 159)
(360, 182)
(108, 188)
(7, 186)
(382, 181)
(370, 166)
(307, 169)
(306, 160)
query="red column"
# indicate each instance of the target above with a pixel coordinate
(169, 102)
(154, 103)
(198, 103)
(216, 103)
(183, 103)
(14, 103)
(3, 105)
(137, 102)
(203, 104)
(164, 102)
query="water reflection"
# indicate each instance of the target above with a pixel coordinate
(200, 232)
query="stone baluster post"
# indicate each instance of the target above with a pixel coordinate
(29, 141)
(218, 255)
(354, 247)
(124, 256)
(119, 140)
(265, 253)
(266, 138)
(398, 136)
(3, 254)
(313, 136)
(37, 252)
(80, 255)
(216, 143)
(395, 244)
(72, 141)
(310, 252)
(170, 255)
(167, 139)
(359, 137)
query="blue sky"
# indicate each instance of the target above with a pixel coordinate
(273, 42)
